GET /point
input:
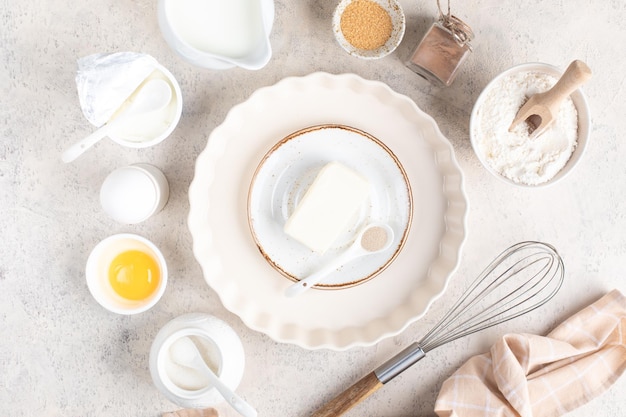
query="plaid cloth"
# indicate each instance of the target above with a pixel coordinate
(192, 412)
(534, 376)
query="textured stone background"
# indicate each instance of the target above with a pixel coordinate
(61, 354)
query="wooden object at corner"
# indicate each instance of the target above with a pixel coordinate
(362, 389)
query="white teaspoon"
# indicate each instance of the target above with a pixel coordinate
(184, 352)
(373, 238)
(153, 96)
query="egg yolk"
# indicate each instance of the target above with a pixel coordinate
(134, 275)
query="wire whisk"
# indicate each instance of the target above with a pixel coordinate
(508, 287)
(519, 280)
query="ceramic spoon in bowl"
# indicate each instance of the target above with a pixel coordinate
(373, 238)
(153, 96)
(184, 352)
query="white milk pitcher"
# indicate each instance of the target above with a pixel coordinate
(219, 34)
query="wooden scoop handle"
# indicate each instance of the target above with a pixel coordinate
(542, 108)
(576, 74)
(362, 389)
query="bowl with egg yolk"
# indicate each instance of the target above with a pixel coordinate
(126, 274)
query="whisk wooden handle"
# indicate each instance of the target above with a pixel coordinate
(362, 389)
(372, 381)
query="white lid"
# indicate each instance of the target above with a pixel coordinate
(105, 81)
(129, 195)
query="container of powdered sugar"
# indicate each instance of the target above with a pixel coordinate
(513, 155)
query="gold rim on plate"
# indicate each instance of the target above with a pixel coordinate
(379, 264)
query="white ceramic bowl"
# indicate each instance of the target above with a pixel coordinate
(584, 123)
(97, 272)
(152, 128)
(222, 346)
(398, 22)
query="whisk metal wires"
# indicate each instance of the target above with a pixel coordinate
(522, 278)
(519, 280)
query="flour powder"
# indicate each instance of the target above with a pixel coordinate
(514, 154)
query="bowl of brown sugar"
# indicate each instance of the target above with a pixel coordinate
(369, 29)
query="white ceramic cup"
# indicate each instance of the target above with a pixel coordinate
(134, 193)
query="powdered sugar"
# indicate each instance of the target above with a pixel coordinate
(514, 154)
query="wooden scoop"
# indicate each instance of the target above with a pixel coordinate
(541, 109)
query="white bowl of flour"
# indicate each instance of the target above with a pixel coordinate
(512, 155)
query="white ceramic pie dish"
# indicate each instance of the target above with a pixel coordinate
(245, 282)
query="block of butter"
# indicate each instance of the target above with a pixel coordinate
(327, 207)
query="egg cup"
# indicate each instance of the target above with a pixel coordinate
(134, 193)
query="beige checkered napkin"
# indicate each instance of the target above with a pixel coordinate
(527, 375)
(192, 412)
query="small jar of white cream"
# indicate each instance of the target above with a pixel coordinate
(218, 345)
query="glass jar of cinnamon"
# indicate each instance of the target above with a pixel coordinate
(440, 53)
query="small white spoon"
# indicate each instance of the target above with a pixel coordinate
(374, 238)
(153, 96)
(184, 352)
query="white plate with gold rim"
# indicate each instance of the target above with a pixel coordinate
(283, 177)
(248, 286)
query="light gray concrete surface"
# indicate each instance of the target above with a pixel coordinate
(61, 354)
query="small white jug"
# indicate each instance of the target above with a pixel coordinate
(219, 34)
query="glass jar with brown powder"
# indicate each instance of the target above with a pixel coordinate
(442, 50)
